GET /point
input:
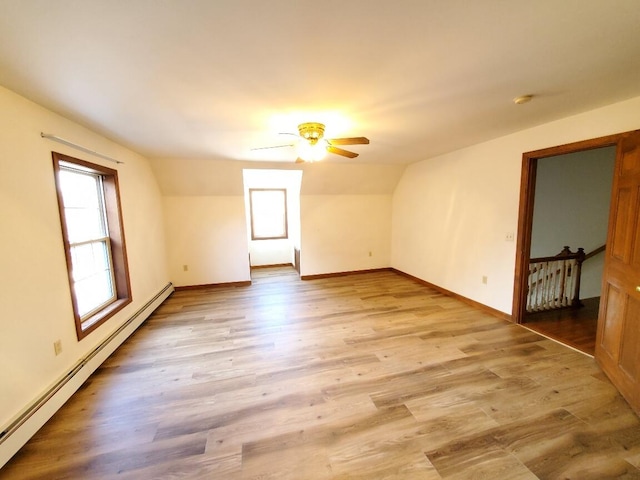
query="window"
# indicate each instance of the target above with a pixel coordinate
(268, 213)
(89, 204)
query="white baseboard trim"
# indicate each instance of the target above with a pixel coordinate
(18, 432)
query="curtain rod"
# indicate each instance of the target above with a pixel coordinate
(78, 147)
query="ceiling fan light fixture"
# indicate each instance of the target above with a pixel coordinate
(312, 151)
(312, 146)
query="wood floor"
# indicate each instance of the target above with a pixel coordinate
(574, 327)
(368, 376)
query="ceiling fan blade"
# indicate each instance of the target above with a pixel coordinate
(276, 146)
(348, 141)
(339, 151)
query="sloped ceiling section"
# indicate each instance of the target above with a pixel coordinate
(217, 78)
(192, 177)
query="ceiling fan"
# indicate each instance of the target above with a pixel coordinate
(312, 146)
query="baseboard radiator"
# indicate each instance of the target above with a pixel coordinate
(67, 385)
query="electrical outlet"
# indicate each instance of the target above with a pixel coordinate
(185, 268)
(484, 279)
(370, 254)
(57, 347)
(509, 237)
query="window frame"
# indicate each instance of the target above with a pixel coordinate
(115, 244)
(285, 234)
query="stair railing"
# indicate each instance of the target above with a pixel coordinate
(554, 282)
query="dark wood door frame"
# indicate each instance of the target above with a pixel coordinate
(525, 212)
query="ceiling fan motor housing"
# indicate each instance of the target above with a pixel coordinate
(311, 131)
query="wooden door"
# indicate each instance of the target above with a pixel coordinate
(618, 338)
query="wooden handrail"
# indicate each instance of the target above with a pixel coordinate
(576, 255)
(565, 254)
(595, 252)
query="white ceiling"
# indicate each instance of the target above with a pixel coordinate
(211, 79)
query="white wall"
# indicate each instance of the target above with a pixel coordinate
(451, 213)
(271, 252)
(209, 236)
(34, 292)
(571, 207)
(347, 213)
(339, 231)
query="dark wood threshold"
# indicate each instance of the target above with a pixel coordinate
(468, 301)
(344, 274)
(246, 283)
(575, 327)
(275, 265)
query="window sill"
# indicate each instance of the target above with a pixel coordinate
(97, 319)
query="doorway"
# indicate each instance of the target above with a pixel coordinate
(545, 237)
(571, 208)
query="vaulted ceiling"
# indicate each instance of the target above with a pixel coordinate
(205, 79)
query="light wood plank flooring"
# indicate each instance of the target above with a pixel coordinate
(368, 376)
